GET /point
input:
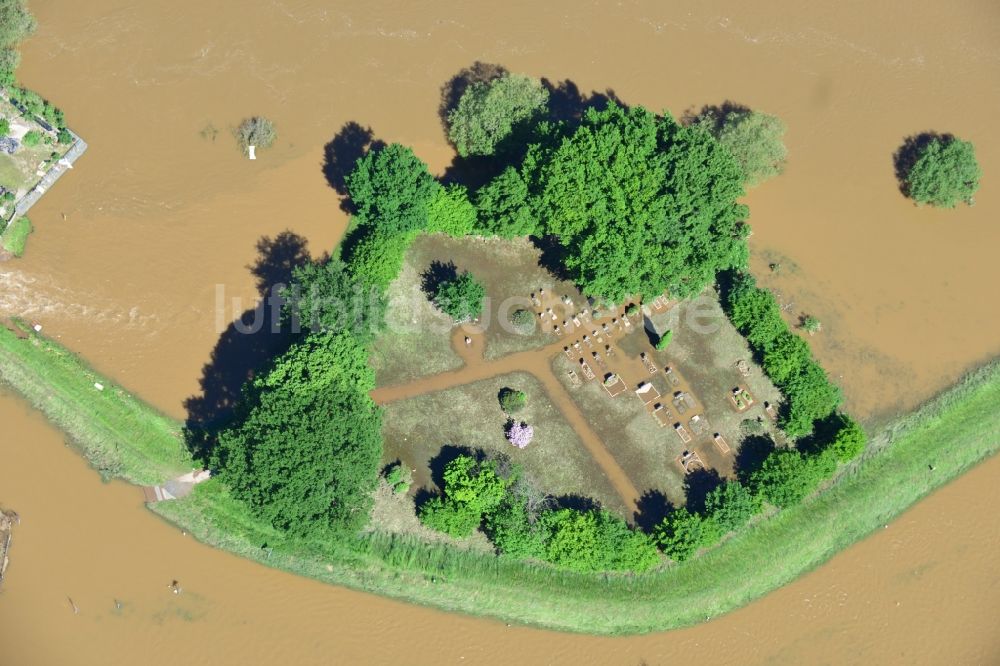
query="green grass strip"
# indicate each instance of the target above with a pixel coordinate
(15, 236)
(950, 433)
(118, 433)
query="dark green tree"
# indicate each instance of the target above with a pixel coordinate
(461, 298)
(328, 297)
(944, 172)
(640, 203)
(512, 400)
(391, 190)
(304, 448)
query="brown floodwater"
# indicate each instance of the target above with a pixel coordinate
(131, 245)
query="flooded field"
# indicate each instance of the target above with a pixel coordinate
(130, 246)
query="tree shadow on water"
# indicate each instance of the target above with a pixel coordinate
(342, 152)
(567, 103)
(908, 153)
(246, 345)
(714, 114)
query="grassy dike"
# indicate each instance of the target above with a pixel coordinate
(119, 434)
(951, 433)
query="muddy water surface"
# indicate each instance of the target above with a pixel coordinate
(130, 246)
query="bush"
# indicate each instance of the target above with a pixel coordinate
(523, 320)
(788, 475)
(519, 433)
(811, 324)
(754, 139)
(32, 138)
(663, 341)
(4, 127)
(470, 489)
(255, 131)
(488, 111)
(683, 533)
(512, 400)
(850, 439)
(65, 136)
(461, 298)
(632, 310)
(944, 172)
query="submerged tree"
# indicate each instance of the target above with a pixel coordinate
(755, 139)
(939, 170)
(488, 111)
(255, 131)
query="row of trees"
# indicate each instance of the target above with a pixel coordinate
(787, 359)
(484, 493)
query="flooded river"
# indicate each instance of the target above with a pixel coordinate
(131, 245)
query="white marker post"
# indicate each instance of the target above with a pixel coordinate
(250, 149)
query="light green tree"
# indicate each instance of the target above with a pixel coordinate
(488, 111)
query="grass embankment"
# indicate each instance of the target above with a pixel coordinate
(118, 433)
(951, 433)
(15, 236)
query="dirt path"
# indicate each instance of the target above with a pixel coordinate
(536, 363)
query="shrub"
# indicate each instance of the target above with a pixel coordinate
(512, 400)
(255, 131)
(4, 127)
(811, 324)
(632, 309)
(523, 320)
(944, 172)
(512, 531)
(378, 258)
(519, 434)
(470, 489)
(755, 139)
(461, 298)
(453, 518)
(787, 475)
(682, 533)
(65, 136)
(488, 111)
(32, 138)
(850, 439)
(663, 341)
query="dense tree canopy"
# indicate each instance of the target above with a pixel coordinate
(391, 188)
(488, 111)
(304, 449)
(944, 173)
(639, 202)
(683, 532)
(754, 139)
(327, 297)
